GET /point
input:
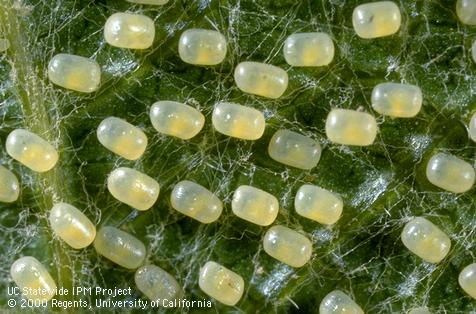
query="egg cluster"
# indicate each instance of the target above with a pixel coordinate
(138, 190)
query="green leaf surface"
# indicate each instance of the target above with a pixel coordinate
(382, 185)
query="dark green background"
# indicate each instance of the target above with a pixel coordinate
(382, 185)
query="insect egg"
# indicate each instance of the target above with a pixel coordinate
(466, 11)
(473, 51)
(120, 247)
(337, 302)
(467, 280)
(9, 186)
(122, 138)
(153, 2)
(74, 72)
(157, 284)
(238, 121)
(308, 49)
(127, 30)
(195, 201)
(28, 273)
(397, 100)
(419, 310)
(351, 127)
(71, 225)
(295, 150)
(376, 19)
(221, 283)
(450, 173)
(4, 44)
(202, 47)
(254, 205)
(287, 246)
(425, 240)
(176, 119)
(31, 150)
(261, 79)
(472, 127)
(133, 188)
(318, 204)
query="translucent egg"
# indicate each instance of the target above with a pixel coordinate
(221, 283)
(287, 246)
(74, 72)
(308, 49)
(472, 127)
(466, 11)
(31, 150)
(426, 240)
(9, 186)
(376, 19)
(153, 2)
(157, 284)
(176, 119)
(450, 173)
(295, 150)
(122, 138)
(72, 226)
(133, 188)
(350, 127)
(29, 274)
(202, 47)
(120, 247)
(4, 44)
(337, 302)
(255, 205)
(127, 30)
(397, 100)
(419, 310)
(467, 280)
(238, 121)
(261, 79)
(318, 204)
(473, 51)
(195, 201)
